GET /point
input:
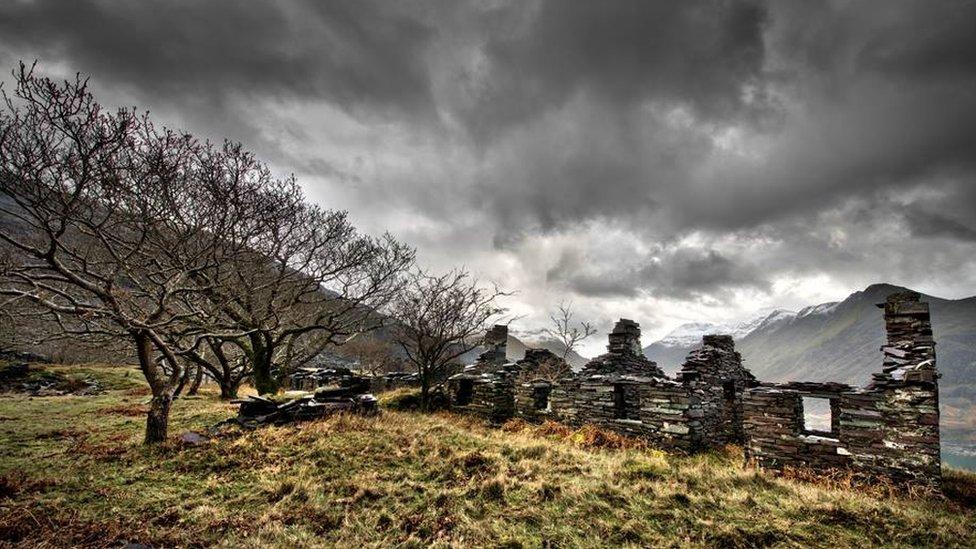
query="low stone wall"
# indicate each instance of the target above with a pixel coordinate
(655, 409)
(487, 395)
(533, 400)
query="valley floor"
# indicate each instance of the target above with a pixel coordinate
(73, 473)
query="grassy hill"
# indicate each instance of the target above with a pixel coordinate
(73, 473)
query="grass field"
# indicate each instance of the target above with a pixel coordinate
(73, 473)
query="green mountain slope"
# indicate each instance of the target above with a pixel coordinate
(842, 343)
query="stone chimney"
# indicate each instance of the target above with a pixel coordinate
(496, 345)
(625, 338)
(722, 341)
(909, 352)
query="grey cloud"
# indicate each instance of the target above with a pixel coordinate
(691, 272)
(356, 54)
(682, 273)
(933, 224)
(780, 122)
(697, 53)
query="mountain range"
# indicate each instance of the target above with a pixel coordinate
(836, 341)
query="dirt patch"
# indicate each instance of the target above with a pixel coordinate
(16, 484)
(24, 526)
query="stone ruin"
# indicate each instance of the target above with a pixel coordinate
(486, 387)
(889, 429)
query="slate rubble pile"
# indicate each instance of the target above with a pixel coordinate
(21, 377)
(326, 401)
(310, 379)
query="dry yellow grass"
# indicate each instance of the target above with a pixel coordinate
(74, 474)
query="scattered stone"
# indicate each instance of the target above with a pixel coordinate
(325, 401)
(193, 439)
(21, 377)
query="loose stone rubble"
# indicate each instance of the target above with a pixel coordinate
(310, 379)
(325, 401)
(21, 377)
(889, 429)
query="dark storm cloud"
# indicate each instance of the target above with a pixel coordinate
(811, 128)
(198, 55)
(693, 53)
(933, 224)
(845, 99)
(682, 273)
(687, 273)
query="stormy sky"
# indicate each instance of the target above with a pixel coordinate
(662, 161)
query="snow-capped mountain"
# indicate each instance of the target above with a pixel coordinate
(689, 334)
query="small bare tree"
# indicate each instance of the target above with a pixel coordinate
(565, 331)
(440, 318)
(375, 355)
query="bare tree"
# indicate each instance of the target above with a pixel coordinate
(222, 362)
(111, 220)
(375, 355)
(565, 331)
(440, 318)
(551, 370)
(311, 282)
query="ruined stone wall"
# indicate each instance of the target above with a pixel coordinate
(714, 375)
(536, 376)
(656, 409)
(496, 348)
(533, 400)
(486, 395)
(888, 429)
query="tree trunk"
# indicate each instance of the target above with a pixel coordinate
(197, 380)
(424, 389)
(183, 379)
(228, 389)
(157, 422)
(264, 382)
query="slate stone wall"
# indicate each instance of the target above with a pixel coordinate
(490, 396)
(888, 429)
(714, 375)
(533, 400)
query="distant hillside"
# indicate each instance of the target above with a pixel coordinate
(838, 341)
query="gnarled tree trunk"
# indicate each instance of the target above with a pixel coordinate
(197, 380)
(157, 421)
(163, 389)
